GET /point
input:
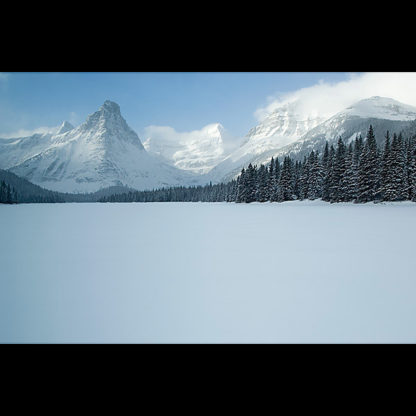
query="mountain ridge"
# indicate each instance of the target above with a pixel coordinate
(104, 151)
(383, 113)
(101, 152)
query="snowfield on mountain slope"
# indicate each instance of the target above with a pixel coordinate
(303, 272)
(103, 151)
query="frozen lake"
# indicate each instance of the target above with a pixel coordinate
(296, 272)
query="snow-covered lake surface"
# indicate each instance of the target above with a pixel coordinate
(296, 272)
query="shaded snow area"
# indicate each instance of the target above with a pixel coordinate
(295, 272)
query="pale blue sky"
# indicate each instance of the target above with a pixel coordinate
(184, 101)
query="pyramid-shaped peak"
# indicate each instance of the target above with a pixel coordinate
(109, 112)
(110, 106)
(64, 127)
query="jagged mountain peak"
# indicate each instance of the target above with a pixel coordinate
(64, 127)
(110, 107)
(108, 123)
(294, 129)
(103, 151)
(108, 112)
(285, 124)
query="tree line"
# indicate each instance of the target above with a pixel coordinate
(358, 172)
(208, 193)
(15, 189)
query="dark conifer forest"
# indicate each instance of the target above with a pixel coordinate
(7, 194)
(14, 189)
(358, 172)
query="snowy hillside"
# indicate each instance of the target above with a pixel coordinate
(381, 107)
(103, 151)
(283, 126)
(14, 151)
(197, 151)
(377, 108)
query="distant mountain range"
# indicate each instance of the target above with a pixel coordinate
(105, 152)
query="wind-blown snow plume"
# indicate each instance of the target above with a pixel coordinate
(197, 151)
(325, 99)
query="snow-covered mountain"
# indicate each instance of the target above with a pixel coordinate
(197, 151)
(14, 151)
(381, 112)
(103, 151)
(347, 123)
(285, 125)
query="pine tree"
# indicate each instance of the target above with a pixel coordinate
(304, 178)
(358, 148)
(328, 187)
(262, 184)
(412, 168)
(241, 187)
(274, 197)
(338, 172)
(409, 168)
(348, 181)
(413, 181)
(286, 181)
(398, 182)
(368, 173)
(385, 169)
(2, 192)
(314, 179)
(297, 171)
(325, 171)
(271, 181)
(250, 183)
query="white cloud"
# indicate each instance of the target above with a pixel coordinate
(197, 150)
(27, 133)
(157, 136)
(326, 99)
(73, 118)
